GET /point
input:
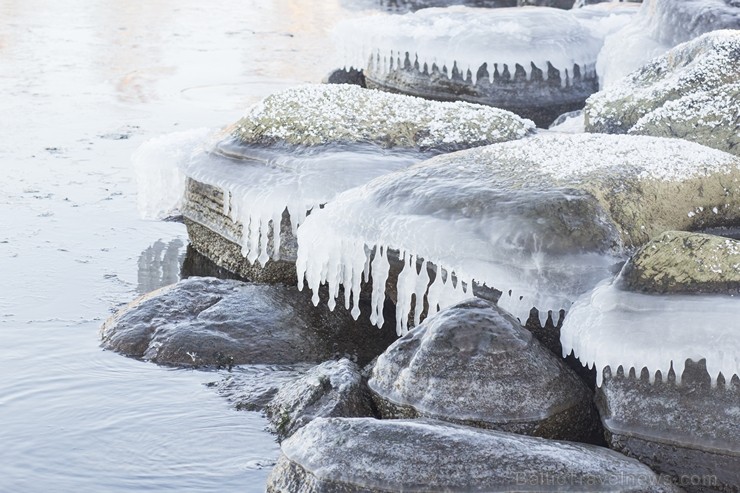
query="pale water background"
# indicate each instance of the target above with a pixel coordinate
(82, 84)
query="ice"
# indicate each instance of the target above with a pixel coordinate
(466, 38)
(659, 26)
(611, 327)
(258, 183)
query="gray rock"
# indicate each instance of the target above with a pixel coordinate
(474, 364)
(323, 114)
(331, 389)
(211, 322)
(422, 4)
(688, 431)
(369, 456)
(687, 93)
(682, 262)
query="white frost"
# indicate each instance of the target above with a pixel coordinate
(611, 327)
(469, 37)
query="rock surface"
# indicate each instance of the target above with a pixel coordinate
(331, 389)
(474, 364)
(683, 262)
(368, 455)
(687, 93)
(210, 322)
(342, 114)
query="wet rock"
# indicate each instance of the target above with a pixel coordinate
(346, 76)
(542, 220)
(687, 431)
(683, 262)
(474, 364)
(344, 114)
(367, 455)
(690, 92)
(331, 389)
(216, 323)
(252, 387)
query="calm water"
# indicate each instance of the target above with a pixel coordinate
(82, 84)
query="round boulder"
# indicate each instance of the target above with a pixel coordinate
(213, 322)
(474, 364)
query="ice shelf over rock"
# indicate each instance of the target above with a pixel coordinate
(298, 149)
(542, 219)
(464, 38)
(659, 26)
(691, 82)
(611, 327)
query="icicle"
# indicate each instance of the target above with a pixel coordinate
(435, 293)
(379, 272)
(422, 283)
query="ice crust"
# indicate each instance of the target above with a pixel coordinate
(466, 38)
(611, 327)
(475, 213)
(659, 26)
(258, 186)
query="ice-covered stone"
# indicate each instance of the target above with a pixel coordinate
(543, 220)
(659, 26)
(211, 322)
(535, 61)
(710, 117)
(473, 364)
(314, 115)
(331, 389)
(692, 85)
(373, 456)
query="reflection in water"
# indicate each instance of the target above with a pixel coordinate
(198, 265)
(159, 265)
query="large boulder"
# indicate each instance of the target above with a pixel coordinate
(474, 364)
(331, 389)
(663, 338)
(543, 219)
(292, 153)
(374, 456)
(542, 68)
(690, 92)
(212, 322)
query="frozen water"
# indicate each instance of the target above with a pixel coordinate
(659, 26)
(469, 37)
(515, 216)
(258, 184)
(611, 327)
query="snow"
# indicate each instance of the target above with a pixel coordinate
(469, 37)
(498, 215)
(659, 26)
(611, 327)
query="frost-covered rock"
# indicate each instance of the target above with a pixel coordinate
(535, 61)
(211, 322)
(663, 338)
(331, 389)
(690, 92)
(711, 118)
(345, 114)
(543, 220)
(682, 262)
(659, 26)
(373, 456)
(474, 364)
(424, 4)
